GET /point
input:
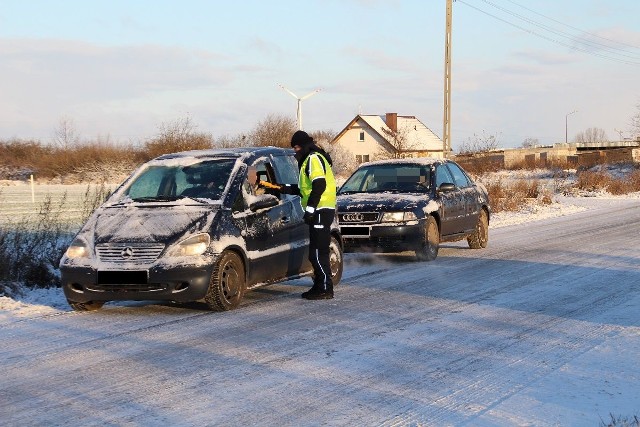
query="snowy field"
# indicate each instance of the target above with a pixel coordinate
(19, 201)
(541, 328)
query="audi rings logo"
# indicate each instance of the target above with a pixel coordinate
(127, 252)
(353, 217)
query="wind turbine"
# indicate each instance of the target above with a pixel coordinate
(299, 110)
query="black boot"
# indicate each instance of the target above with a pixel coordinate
(319, 292)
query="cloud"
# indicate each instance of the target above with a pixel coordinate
(75, 71)
(545, 57)
(265, 47)
(40, 80)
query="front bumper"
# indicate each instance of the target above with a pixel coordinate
(181, 284)
(383, 237)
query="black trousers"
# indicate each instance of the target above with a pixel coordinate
(319, 240)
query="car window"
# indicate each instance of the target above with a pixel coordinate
(389, 177)
(460, 178)
(262, 173)
(286, 169)
(443, 176)
(150, 182)
(201, 180)
(260, 170)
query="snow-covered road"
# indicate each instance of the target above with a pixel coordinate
(541, 328)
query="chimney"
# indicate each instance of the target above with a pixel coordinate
(392, 121)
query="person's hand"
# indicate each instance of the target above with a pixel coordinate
(309, 217)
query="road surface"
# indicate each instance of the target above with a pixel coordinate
(540, 328)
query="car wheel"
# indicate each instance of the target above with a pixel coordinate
(431, 244)
(86, 306)
(228, 283)
(336, 260)
(480, 236)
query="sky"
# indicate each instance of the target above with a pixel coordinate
(120, 70)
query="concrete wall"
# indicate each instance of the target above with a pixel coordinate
(562, 154)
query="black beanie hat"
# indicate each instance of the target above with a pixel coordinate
(301, 138)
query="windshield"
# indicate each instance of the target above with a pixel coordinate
(204, 180)
(389, 177)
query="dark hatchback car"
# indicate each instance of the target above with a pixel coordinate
(193, 226)
(412, 205)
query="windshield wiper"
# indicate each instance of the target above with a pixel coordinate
(157, 199)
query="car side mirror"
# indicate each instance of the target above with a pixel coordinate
(263, 201)
(446, 187)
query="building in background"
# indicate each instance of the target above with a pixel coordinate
(373, 137)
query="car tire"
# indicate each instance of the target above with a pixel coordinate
(86, 306)
(228, 283)
(336, 259)
(480, 236)
(431, 244)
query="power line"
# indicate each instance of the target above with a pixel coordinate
(571, 37)
(575, 28)
(553, 40)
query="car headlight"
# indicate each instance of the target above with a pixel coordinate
(194, 245)
(77, 249)
(398, 216)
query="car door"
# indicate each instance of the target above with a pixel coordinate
(264, 226)
(452, 203)
(295, 232)
(469, 215)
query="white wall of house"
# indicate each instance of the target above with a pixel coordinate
(370, 145)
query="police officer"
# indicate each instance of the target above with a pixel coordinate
(317, 189)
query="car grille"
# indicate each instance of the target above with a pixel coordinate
(122, 288)
(129, 252)
(358, 217)
(125, 281)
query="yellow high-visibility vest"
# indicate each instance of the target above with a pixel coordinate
(316, 166)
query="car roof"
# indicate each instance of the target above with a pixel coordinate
(411, 160)
(248, 153)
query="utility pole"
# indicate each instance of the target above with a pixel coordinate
(566, 126)
(446, 133)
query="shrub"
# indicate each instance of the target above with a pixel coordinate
(514, 196)
(93, 161)
(603, 181)
(634, 180)
(593, 181)
(621, 421)
(31, 250)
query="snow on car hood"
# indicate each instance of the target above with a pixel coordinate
(150, 224)
(381, 201)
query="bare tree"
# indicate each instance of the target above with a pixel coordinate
(228, 141)
(399, 141)
(480, 143)
(275, 130)
(180, 135)
(323, 136)
(344, 162)
(530, 143)
(65, 135)
(591, 135)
